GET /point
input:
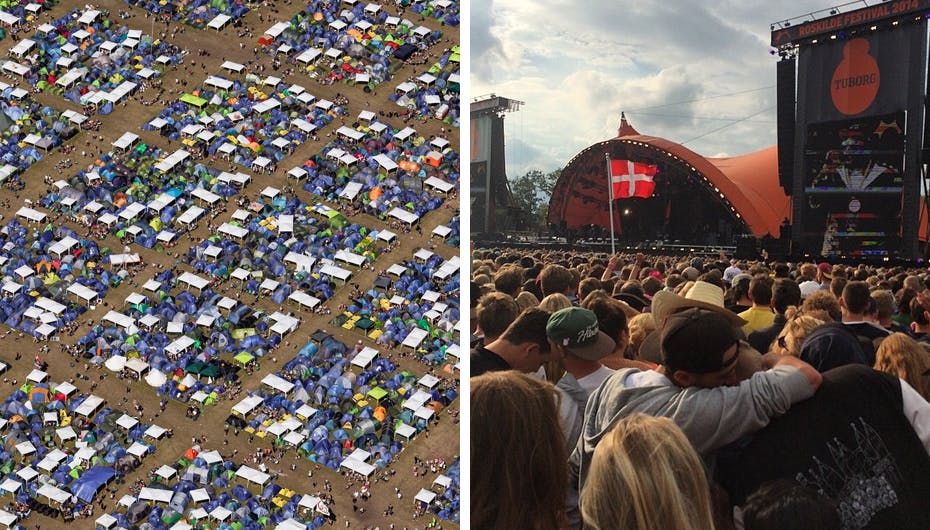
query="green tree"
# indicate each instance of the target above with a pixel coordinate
(531, 191)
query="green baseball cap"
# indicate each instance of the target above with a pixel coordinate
(575, 329)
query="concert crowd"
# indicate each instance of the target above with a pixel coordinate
(694, 392)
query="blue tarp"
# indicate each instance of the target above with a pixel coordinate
(85, 488)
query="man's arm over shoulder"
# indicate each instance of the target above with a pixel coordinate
(714, 417)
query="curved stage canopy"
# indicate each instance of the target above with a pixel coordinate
(741, 191)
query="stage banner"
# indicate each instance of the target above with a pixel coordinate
(861, 76)
(481, 138)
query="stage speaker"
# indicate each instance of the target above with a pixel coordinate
(785, 101)
(747, 247)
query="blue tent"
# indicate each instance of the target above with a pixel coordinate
(85, 488)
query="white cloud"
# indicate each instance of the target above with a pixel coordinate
(577, 66)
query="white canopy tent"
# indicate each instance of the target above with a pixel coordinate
(404, 216)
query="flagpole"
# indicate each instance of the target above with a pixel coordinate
(610, 205)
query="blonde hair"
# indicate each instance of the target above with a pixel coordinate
(526, 300)
(904, 357)
(640, 327)
(824, 305)
(520, 473)
(554, 302)
(795, 331)
(646, 475)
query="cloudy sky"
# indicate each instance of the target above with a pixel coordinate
(697, 72)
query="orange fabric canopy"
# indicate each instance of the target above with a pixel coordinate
(748, 182)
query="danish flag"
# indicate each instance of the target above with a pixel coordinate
(632, 179)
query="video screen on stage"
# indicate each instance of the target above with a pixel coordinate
(853, 181)
(864, 155)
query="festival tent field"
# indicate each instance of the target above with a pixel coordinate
(330, 408)
(249, 122)
(139, 194)
(60, 447)
(208, 490)
(358, 45)
(199, 13)
(89, 60)
(50, 274)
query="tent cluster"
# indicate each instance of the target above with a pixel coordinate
(361, 45)
(434, 93)
(252, 123)
(201, 488)
(61, 447)
(380, 169)
(89, 59)
(184, 345)
(283, 246)
(445, 11)
(343, 408)
(415, 306)
(50, 275)
(443, 499)
(138, 196)
(198, 13)
(450, 232)
(29, 129)
(16, 12)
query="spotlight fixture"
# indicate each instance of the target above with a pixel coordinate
(833, 11)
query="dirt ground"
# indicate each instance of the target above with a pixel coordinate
(442, 441)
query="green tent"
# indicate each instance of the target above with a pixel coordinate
(193, 100)
(244, 358)
(338, 221)
(194, 367)
(241, 333)
(377, 393)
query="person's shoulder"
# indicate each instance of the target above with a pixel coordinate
(484, 360)
(868, 329)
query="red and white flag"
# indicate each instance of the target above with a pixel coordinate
(632, 179)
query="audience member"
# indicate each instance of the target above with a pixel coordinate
(785, 294)
(522, 346)
(795, 332)
(515, 436)
(495, 312)
(783, 503)
(648, 463)
(869, 456)
(903, 357)
(574, 334)
(856, 305)
(760, 314)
